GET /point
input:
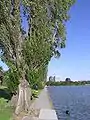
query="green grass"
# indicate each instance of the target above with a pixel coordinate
(6, 114)
(5, 109)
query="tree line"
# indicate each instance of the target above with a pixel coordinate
(67, 83)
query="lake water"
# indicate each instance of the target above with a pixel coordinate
(76, 99)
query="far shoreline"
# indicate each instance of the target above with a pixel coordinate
(67, 83)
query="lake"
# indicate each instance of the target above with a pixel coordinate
(76, 99)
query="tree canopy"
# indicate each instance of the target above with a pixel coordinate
(27, 53)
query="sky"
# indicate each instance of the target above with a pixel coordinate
(74, 60)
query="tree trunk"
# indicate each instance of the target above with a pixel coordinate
(24, 98)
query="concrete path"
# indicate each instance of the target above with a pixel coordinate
(43, 101)
(47, 114)
(45, 107)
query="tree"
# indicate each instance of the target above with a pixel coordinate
(31, 50)
(1, 76)
(67, 79)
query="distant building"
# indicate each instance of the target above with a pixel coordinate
(52, 79)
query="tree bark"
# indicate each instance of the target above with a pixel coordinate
(24, 98)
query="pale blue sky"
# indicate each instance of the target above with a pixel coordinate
(75, 58)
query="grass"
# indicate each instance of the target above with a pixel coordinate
(6, 114)
(5, 109)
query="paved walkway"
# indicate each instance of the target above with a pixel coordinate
(45, 107)
(47, 114)
(43, 101)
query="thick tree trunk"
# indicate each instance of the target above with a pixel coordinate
(24, 92)
(24, 98)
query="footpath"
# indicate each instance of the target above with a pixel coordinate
(43, 101)
(42, 108)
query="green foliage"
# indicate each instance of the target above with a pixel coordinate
(69, 83)
(29, 55)
(35, 93)
(11, 78)
(36, 78)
